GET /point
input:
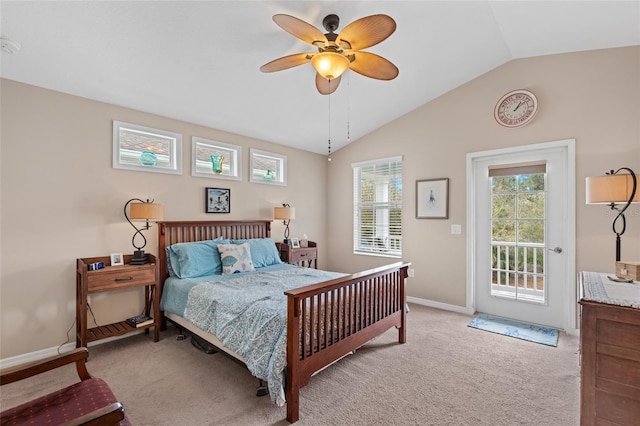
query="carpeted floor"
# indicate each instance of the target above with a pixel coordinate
(446, 374)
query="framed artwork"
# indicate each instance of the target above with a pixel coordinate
(217, 200)
(295, 243)
(117, 259)
(432, 198)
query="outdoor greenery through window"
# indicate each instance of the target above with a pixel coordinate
(377, 207)
(145, 149)
(518, 235)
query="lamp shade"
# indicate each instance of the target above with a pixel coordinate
(284, 213)
(146, 211)
(613, 188)
(330, 65)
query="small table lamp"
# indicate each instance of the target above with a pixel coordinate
(141, 210)
(285, 213)
(614, 188)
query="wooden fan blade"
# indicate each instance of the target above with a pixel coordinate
(327, 87)
(366, 32)
(299, 28)
(286, 62)
(374, 66)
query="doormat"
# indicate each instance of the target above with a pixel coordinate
(520, 330)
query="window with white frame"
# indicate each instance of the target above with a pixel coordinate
(215, 159)
(377, 207)
(146, 149)
(267, 167)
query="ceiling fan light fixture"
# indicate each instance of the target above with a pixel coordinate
(338, 52)
(330, 65)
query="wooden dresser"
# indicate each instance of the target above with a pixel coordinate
(610, 351)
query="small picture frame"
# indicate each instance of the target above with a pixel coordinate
(117, 259)
(432, 198)
(295, 243)
(217, 200)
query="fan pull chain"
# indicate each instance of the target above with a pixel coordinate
(329, 157)
(348, 111)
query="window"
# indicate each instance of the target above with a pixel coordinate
(146, 149)
(518, 198)
(215, 159)
(267, 167)
(377, 207)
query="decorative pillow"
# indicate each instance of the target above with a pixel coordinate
(190, 260)
(236, 258)
(263, 251)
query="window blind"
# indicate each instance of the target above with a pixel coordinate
(377, 207)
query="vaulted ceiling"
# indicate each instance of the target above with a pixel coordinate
(199, 61)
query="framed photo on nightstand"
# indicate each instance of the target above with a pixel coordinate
(295, 243)
(117, 259)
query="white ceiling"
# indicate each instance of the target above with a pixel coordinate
(199, 61)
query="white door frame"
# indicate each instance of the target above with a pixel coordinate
(570, 320)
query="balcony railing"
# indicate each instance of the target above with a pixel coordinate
(517, 271)
(390, 245)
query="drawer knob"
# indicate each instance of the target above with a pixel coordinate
(124, 279)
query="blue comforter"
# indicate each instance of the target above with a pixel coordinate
(247, 312)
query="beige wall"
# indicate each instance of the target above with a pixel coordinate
(61, 200)
(590, 96)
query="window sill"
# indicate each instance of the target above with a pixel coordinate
(388, 255)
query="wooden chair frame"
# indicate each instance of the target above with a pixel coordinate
(111, 414)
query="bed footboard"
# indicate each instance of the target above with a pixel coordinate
(328, 320)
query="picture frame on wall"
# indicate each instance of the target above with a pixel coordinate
(217, 200)
(432, 198)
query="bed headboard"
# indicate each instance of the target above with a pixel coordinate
(189, 231)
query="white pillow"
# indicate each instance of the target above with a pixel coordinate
(236, 258)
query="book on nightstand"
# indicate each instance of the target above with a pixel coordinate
(139, 321)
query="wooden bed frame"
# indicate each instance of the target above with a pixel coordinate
(325, 321)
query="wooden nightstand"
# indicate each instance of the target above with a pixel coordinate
(112, 278)
(299, 255)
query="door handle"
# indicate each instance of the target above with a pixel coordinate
(556, 250)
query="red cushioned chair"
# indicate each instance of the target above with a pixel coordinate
(88, 402)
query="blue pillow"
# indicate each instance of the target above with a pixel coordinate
(170, 270)
(190, 260)
(263, 251)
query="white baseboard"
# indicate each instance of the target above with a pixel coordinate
(466, 311)
(44, 353)
(573, 331)
(34, 356)
(440, 305)
(37, 355)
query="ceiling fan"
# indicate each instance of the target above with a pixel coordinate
(338, 53)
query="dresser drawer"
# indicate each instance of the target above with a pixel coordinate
(300, 254)
(115, 278)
